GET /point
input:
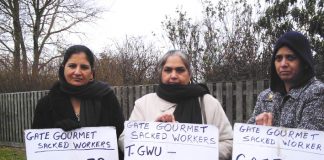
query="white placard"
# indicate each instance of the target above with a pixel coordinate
(88, 143)
(170, 141)
(255, 142)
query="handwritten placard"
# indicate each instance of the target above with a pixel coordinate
(255, 142)
(89, 143)
(171, 141)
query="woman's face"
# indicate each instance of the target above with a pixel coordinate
(77, 70)
(288, 65)
(175, 72)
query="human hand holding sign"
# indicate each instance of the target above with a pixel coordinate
(166, 118)
(264, 118)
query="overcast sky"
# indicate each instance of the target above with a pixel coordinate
(132, 18)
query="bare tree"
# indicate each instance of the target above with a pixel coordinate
(131, 62)
(223, 45)
(30, 28)
(11, 32)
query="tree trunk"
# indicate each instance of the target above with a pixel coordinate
(17, 31)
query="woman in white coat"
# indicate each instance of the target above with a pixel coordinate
(178, 100)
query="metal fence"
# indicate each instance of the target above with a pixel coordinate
(17, 109)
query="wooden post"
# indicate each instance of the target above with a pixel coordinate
(249, 98)
(2, 100)
(229, 101)
(124, 102)
(219, 92)
(131, 100)
(239, 101)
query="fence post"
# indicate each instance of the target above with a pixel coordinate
(249, 98)
(210, 88)
(2, 100)
(130, 99)
(219, 92)
(124, 101)
(260, 86)
(229, 101)
(137, 92)
(239, 102)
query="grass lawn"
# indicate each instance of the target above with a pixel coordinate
(10, 153)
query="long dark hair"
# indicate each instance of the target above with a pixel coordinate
(75, 49)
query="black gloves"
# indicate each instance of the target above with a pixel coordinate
(67, 124)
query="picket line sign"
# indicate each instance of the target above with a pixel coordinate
(88, 143)
(170, 141)
(255, 142)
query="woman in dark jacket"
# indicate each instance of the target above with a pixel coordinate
(295, 98)
(77, 100)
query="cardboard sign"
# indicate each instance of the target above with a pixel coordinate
(89, 143)
(171, 141)
(255, 142)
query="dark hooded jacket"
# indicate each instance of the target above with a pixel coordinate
(303, 105)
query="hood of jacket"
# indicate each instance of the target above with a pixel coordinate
(299, 44)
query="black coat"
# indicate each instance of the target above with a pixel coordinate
(57, 106)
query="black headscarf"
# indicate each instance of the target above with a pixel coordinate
(89, 94)
(186, 97)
